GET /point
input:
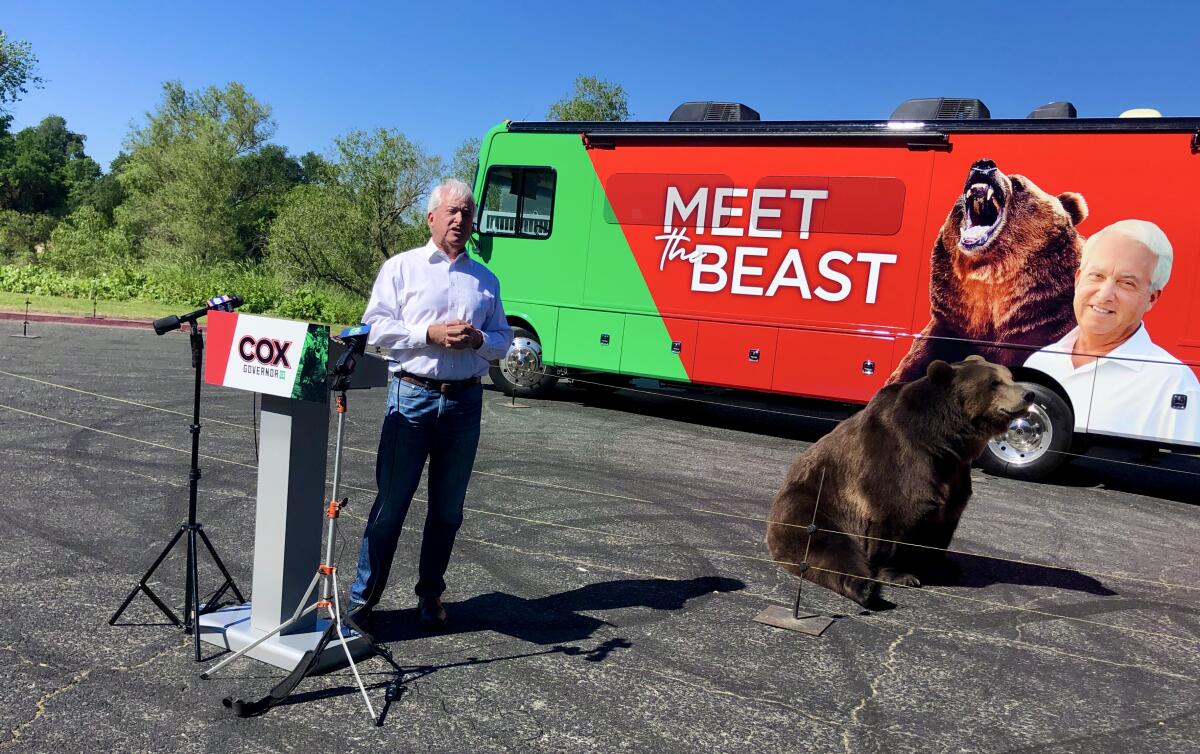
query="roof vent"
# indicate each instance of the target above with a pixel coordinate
(693, 111)
(1141, 112)
(941, 108)
(1054, 110)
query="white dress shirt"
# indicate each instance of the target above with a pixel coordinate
(1127, 392)
(421, 287)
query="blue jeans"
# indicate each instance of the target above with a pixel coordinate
(420, 423)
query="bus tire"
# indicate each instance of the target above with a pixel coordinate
(521, 372)
(1035, 443)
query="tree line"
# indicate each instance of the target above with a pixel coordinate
(200, 198)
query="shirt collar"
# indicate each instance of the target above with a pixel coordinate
(436, 253)
(1131, 354)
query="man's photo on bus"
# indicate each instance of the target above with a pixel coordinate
(1119, 381)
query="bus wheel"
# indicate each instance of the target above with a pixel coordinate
(1035, 443)
(521, 371)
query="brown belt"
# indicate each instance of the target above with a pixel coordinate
(441, 386)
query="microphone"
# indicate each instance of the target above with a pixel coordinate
(218, 304)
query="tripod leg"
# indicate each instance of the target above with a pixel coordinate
(141, 585)
(224, 571)
(193, 578)
(337, 616)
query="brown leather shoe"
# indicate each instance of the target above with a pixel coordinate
(432, 613)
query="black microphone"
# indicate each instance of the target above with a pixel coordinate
(218, 304)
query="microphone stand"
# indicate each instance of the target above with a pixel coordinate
(192, 609)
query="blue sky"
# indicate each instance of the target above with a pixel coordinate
(444, 72)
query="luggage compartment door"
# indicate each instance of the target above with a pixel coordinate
(590, 339)
(735, 355)
(659, 347)
(833, 365)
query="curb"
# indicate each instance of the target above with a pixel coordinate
(68, 319)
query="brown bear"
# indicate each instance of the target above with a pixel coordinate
(1002, 271)
(897, 471)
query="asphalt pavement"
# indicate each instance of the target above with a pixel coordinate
(602, 591)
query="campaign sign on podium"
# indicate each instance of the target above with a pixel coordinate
(286, 362)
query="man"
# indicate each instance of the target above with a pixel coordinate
(1119, 381)
(438, 313)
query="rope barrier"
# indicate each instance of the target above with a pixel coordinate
(710, 551)
(838, 421)
(707, 511)
(642, 391)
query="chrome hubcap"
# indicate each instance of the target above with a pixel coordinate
(522, 365)
(1027, 439)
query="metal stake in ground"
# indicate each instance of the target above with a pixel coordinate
(777, 615)
(25, 326)
(192, 609)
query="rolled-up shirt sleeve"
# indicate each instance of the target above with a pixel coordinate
(497, 335)
(388, 330)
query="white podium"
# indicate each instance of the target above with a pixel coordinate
(287, 363)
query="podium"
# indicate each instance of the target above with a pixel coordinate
(287, 363)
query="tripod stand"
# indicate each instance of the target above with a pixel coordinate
(195, 531)
(324, 580)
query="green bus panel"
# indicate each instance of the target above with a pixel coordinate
(613, 278)
(657, 347)
(589, 340)
(551, 270)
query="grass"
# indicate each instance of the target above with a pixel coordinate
(82, 307)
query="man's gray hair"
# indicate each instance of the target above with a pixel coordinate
(451, 188)
(1147, 234)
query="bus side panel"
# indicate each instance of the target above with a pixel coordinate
(845, 259)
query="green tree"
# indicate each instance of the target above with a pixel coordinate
(104, 194)
(187, 194)
(465, 162)
(23, 235)
(45, 169)
(86, 242)
(264, 178)
(365, 209)
(315, 169)
(593, 99)
(321, 235)
(387, 177)
(18, 71)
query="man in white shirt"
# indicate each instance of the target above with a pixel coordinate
(437, 312)
(1119, 381)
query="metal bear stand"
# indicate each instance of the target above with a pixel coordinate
(791, 620)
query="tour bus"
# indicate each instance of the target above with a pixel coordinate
(827, 259)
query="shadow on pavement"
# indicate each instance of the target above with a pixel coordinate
(555, 619)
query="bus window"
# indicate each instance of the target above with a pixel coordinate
(517, 202)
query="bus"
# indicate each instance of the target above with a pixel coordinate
(827, 259)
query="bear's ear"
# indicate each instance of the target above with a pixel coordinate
(1075, 206)
(940, 373)
(976, 358)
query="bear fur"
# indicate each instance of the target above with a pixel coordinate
(1002, 271)
(898, 470)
